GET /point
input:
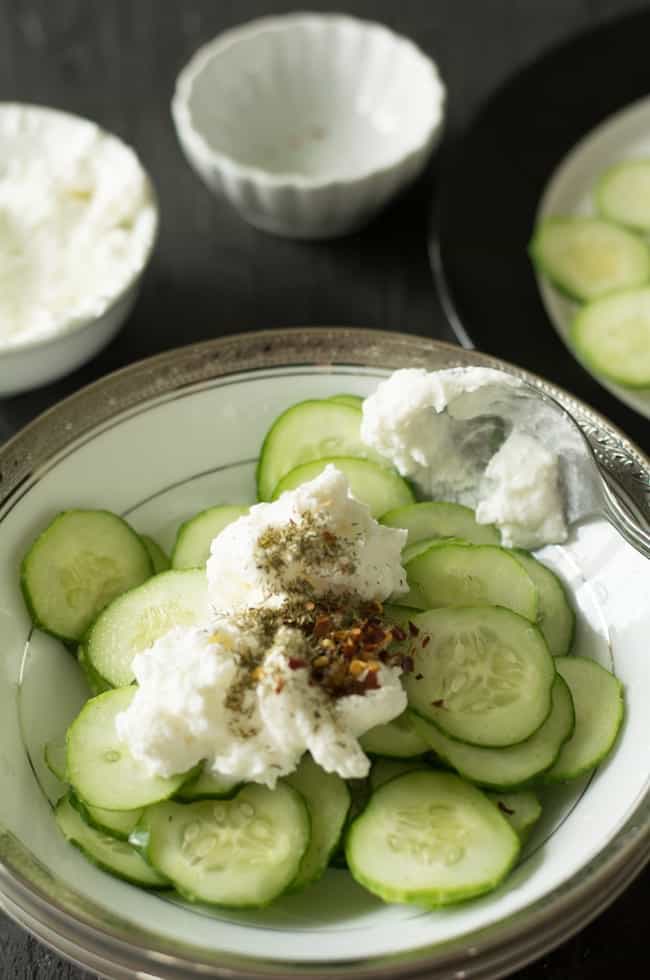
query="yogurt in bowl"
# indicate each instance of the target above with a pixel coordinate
(78, 222)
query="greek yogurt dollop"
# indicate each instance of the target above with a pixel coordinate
(241, 693)
(184, 710)
(455, 434)
(370, 568)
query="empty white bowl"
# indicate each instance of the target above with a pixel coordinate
(79, 225)
(308, 123)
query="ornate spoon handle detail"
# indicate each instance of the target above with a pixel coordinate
(626, 526)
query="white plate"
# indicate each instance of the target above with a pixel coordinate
(170, 436)
(623, 136)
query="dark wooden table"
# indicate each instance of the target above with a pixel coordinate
(115, 61)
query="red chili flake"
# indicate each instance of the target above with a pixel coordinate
(322, 626)
(371, 681)
(439, 704)
(413, 630)
(504, 808)
(279, 686)
(419, 677)
(426, 641)
(407, 665)
(398, 633)
(296, 662)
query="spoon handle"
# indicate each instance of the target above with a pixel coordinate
(624, 523)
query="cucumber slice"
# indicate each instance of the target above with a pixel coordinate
(396, 740)
(623, 194)
(483, 676)
(401, 615)
(207, 785)
(384, 769)
(354, 401)
(116, 823)
(194, 537)
(599, 706)
(55, 756)
(439, 519)
(513, 767)
(328, 802)
(555, 615)
(432, 839)
(239, 853)
(136, 620)
(411, 551)
(96, 683)
(457, 574)
(159, 560)
(307, 431)
(81, 561)
(100, 768)
(588, 257)
(612, 336)
(522, 810)
(376, 486)
(112, 855)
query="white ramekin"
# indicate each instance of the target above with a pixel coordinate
(308, 123)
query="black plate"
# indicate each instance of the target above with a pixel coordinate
(490, 185)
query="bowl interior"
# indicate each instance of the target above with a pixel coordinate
(315, 97)
(170, 477)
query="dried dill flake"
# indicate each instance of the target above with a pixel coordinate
(341, 640)
(308, 542)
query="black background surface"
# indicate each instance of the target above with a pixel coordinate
(115, 61)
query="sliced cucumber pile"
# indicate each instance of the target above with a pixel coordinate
(159, 560)
(207, 785)
(305, 432)
(455, 573)
(430, 838)
(599, 710)
(81, 561)
(395, 740)
(140, 617)
(194, 537)
(587, 258)
(604, 262)
(99, 767)
(384, 769)
(438, 519)
(242, 853)
(482, 676)
(521, 809)
(623, 194)
(495, 705)
(513, 766)
(328, 802)
(555, 615)
(105, 850)
(612, 336)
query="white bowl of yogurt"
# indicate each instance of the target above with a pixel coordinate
(78, 222)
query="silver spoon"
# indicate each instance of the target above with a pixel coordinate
(587, 489)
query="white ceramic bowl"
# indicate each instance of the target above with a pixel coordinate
(594, 834)
(308, 123)
(33, 361)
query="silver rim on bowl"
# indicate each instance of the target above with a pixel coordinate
(77, 929)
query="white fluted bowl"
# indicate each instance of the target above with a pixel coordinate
(308, 123)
